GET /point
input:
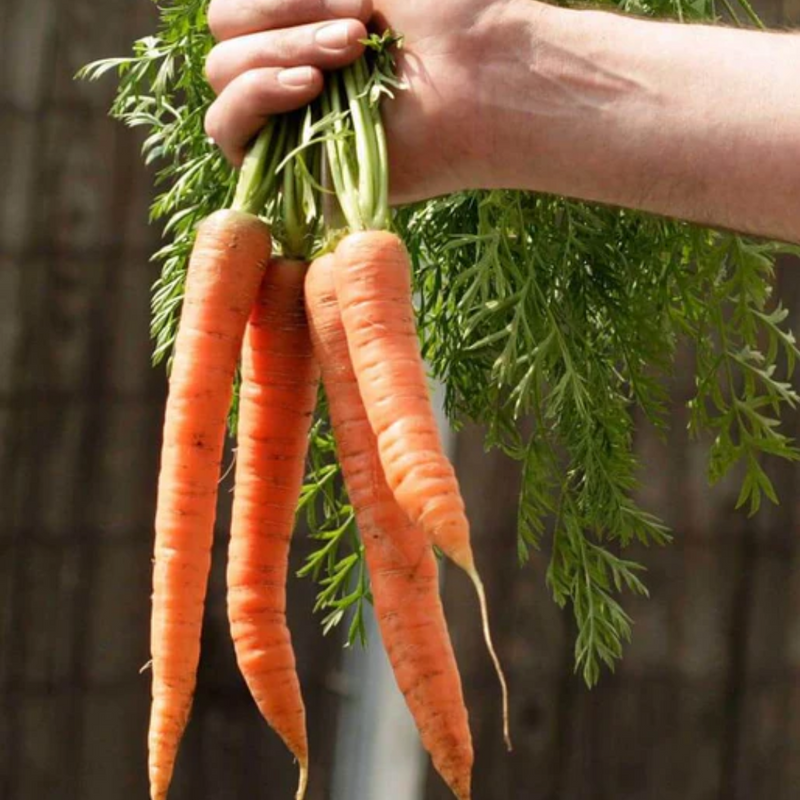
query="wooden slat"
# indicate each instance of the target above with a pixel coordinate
(77, 201)
(7, 600)
(6, 734)
(51, 489)
(91, 39)
(20, 136)
(124, 482)
(112, 753)
(11, 325)
(66, 218)
(768, 747)
(791, 744)
(42, 747)
(26, 57)
(117, 644)
(53, 575)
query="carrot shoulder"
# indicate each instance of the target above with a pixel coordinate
(227, 264)
(278, 394)
(373, 286)
(403, 570)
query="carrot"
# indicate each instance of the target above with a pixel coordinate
(400, 558)
(225, 270)
(278, 394)
(373, 287)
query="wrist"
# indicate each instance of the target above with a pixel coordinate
(449, 118)
(548, 99)
(509, 130)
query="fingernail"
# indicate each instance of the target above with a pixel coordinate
(345, 8)
(334, 37)
(296, 76)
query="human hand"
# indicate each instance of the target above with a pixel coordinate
(272, 53)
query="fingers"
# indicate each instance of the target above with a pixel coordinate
(270, 58)
(327, 45)
(240, 112)
(232, 18)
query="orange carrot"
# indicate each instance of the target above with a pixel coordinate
(278, 394)
(373, 286)
(226, 268)
(400, 558)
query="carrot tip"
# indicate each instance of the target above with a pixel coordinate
(487, 635)
(303, 782)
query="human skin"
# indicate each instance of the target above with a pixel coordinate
(694, 122)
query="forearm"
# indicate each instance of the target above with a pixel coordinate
(693, 122)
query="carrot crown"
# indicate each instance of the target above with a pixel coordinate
(277, 181)
(339, 141)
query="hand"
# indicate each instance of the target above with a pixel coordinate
(272, 53)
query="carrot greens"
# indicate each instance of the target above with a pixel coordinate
(567, 316)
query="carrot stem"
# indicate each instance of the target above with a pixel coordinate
(357, 149)
(382, 218)
(259, 172)
(253, 170)
(294, 239)
(364, 139)
(341, 163)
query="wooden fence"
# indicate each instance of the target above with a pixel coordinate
(706, 705)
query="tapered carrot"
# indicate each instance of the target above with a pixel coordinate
(225, 271)
(373, 286)
(400, 559)
(278, 394)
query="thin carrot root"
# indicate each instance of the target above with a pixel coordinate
(487, 636)
(303, 781)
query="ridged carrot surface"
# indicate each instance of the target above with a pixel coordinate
(226, 267)
(403, 569)
(278, 394)
(373, 287)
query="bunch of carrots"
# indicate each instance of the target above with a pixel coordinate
(336, 308)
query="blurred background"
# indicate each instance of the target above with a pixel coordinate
(705, 706)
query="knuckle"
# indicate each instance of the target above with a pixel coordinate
(257, 92)
(254, 88)
(217, 14)
(266, 49)
(272, 13)
(214, 62)
(284, 47)
(366, 11)
(283, 9)
(213, 123)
